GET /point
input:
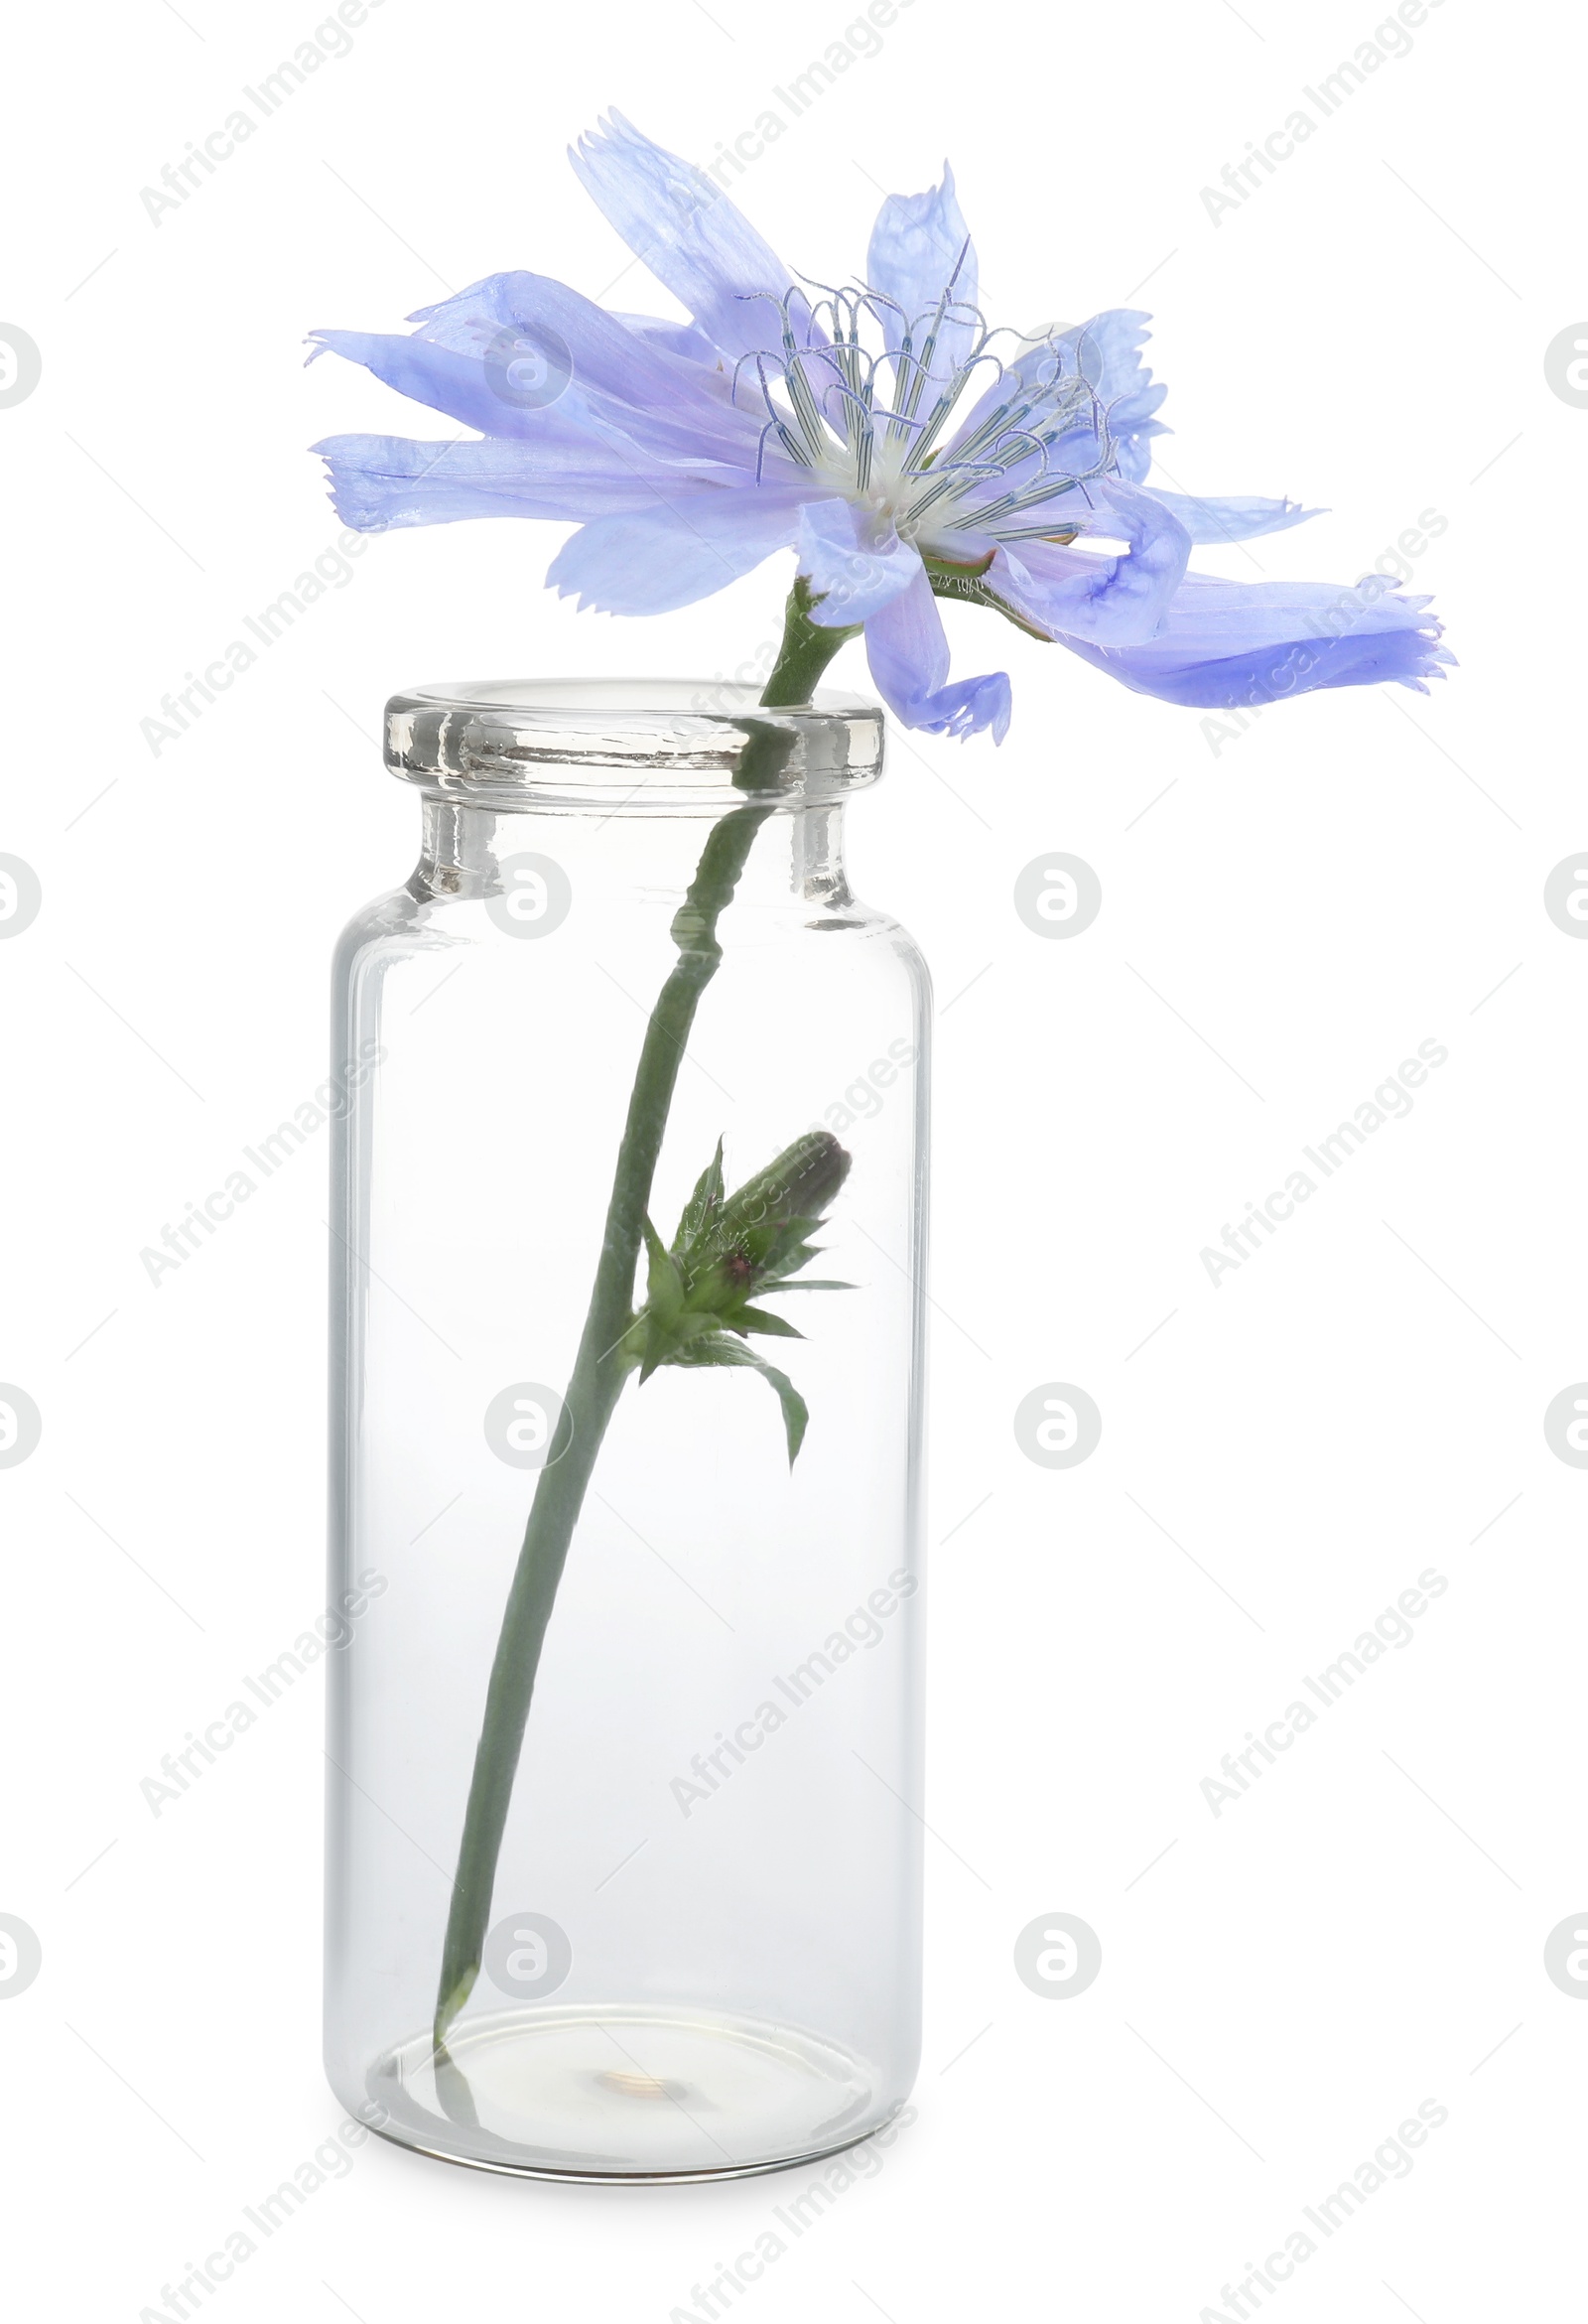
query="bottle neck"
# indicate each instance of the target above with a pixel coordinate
(797, 855)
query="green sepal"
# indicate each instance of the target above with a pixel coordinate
(664, 1285)
(790, 1249)
(702, 1203)
(718, 1351)
(763, 1320)
(656, 1326)
(970, 567)
(966, 588)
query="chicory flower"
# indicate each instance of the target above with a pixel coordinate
(904, 451)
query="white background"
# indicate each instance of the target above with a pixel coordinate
(1284, 919)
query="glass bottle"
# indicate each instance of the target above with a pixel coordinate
(696, 1943)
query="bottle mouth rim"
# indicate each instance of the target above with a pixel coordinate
(633, 746)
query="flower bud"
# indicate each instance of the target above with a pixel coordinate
(800, 1183)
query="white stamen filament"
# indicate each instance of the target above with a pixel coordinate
(882, 457)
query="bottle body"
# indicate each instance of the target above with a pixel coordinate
(701, 1949)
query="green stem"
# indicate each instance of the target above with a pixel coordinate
(599, 1367)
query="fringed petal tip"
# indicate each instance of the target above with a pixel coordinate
(612, 128)
(1216, 519)
(587, 593)
(1228, 645)
(352, 506)
(988, 707)
(359, 503)
(1433, 664)
(909, 658)
(971, 706)
(582, 602)
(324, 340)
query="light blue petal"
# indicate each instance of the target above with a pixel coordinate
(853, 569)
(384, 482)
(909, 658)
(687, 231)
(1108, 352)
(1105, 352)
(578, 418)
(1210, 518)
(921, 248)
(1230, 644)
(604, 352)
(613, 371)
(438, 376)
(674, 338)
(1109, 601)
(661, 558)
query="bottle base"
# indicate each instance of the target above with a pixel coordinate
(628, 2094)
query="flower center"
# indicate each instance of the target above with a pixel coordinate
(874, 421)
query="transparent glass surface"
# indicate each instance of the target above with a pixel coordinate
(704, 1928)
